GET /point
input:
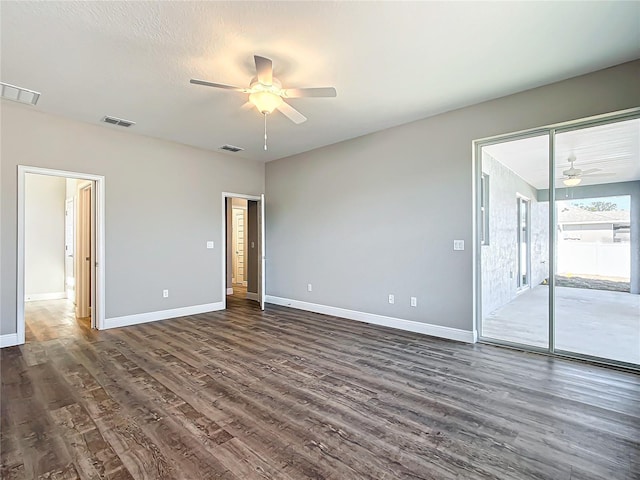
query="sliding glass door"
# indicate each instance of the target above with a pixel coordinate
(515, 253)
(597, 300)
(559, 240)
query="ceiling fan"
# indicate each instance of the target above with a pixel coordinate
(573, 176)
(266, 93)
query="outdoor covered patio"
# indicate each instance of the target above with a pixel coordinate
(592, 322)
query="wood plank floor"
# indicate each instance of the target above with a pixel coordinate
(285, 394)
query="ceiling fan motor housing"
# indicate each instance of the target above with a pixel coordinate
(266, 98)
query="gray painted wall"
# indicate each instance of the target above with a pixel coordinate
(44, 235)
(163, 202)
(378, 214)
(605, 190)
(500, 258)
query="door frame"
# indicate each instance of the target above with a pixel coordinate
(99, 265)
(223, 242)
(550, 130)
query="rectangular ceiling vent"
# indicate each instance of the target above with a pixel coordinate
(118, 121)
(231, 148)
(19, 94)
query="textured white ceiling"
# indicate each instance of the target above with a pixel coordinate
(391, 62)
(613, 148)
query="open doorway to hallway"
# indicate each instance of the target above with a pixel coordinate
(244, 250)
(44, 199)
(59, 249)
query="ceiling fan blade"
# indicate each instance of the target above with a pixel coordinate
(590, 171)
(264, 69)
(217, 85)
(247, 106)
(599, 175)
(294, 115)
(309, 92)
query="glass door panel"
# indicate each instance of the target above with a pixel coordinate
(597, 292)
(524, 255)
(514, 234)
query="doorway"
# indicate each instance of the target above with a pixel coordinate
(565, 278)
(243, 250)
(76, 201)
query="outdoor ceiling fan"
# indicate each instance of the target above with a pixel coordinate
(266, 93)
(573, 176)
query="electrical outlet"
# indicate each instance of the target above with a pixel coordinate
(392, 299)
(209, 244)
(309, 287)
(165, 293)
(414, 301)
(458, 244)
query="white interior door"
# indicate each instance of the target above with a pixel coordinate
(83, 253)
(261, 262)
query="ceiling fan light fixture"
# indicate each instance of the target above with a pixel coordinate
(266, 93)
(266, 102)
(572, 182)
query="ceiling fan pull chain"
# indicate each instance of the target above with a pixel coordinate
(265, 130)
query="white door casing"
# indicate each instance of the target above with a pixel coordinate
(99, 235)
(261, 241)
(223, 241)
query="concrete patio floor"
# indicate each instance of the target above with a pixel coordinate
(592, 322)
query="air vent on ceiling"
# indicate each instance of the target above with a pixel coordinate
(118, 121)
(231, 148)
(19, 94)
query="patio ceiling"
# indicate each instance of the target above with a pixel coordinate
(613, 148)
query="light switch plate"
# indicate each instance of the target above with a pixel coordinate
(458, 244)
(209, 244)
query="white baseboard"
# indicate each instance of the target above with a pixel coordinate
(457, 334)
(253, 296)
(138, 318)
(36, 297)
(9, 340)
(230, 291)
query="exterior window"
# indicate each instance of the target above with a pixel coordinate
(484, 209)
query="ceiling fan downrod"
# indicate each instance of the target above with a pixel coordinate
(265, 129)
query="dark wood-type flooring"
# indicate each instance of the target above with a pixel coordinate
(286, 394)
